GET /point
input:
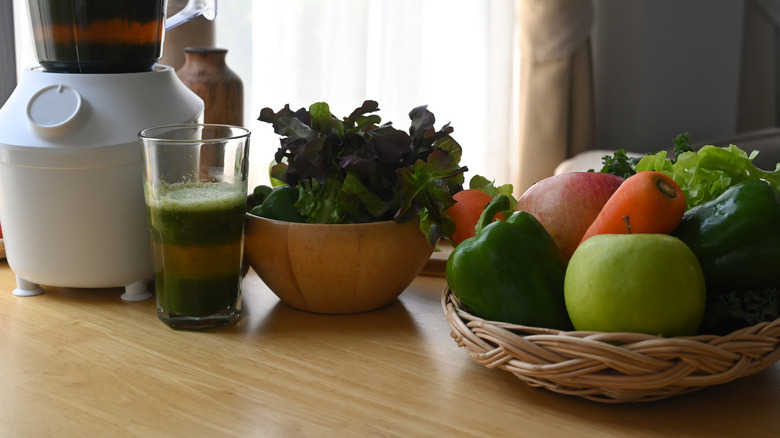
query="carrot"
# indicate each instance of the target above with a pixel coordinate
(647, 202)
(466, 211)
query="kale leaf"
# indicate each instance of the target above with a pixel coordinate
(622, 165)
(682, 144)
(726, 312)
(619, 164)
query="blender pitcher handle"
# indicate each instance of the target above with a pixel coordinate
(193, 9)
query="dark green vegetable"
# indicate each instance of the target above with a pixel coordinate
(622, 165)
(354, 170)
(280, 205)
(511, 271)
(726, 312)
(257, 196)
(619, 164)
(682, 143)
(736, 237)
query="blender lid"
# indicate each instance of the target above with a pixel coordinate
(77, 111)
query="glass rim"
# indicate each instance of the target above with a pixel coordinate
(236, 132)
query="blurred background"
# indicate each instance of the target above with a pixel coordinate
(525, 84)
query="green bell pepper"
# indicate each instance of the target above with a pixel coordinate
(511, 271)
(280, 205)
(736, 237)
(257, 196)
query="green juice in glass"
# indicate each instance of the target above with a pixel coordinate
(197, 241)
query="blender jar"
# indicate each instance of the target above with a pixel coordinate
(105, 36)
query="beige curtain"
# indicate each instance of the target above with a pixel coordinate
(760, 76)
(556, 108)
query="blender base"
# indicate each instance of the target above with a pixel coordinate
(74, 150)
(26, 288)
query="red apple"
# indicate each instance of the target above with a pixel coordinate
(566, 204)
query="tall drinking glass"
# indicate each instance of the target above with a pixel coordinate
(195, 186)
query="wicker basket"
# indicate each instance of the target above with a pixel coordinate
(613, 367)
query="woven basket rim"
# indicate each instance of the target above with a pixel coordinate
(613, 367)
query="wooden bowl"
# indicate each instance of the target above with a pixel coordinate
(337, 269)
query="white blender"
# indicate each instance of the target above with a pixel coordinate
(71, 194)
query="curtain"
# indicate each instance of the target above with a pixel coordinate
(556, 108)
(456, 56)
(759, 90)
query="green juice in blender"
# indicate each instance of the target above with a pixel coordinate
(197, 238)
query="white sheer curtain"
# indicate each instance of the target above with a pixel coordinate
(456, 56)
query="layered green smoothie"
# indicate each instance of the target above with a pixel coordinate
(197, 240)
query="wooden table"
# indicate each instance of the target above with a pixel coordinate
(85, 363)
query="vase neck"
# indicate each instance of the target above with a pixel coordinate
(212, 55)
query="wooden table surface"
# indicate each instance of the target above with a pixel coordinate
(85, 363)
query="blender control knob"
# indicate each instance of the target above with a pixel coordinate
(54, 110)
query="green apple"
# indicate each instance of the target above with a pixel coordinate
(275, 182)
(643, 283)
